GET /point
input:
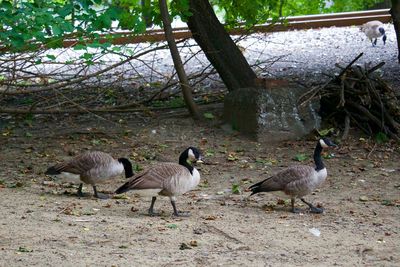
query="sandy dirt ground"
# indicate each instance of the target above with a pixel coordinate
(43, 222)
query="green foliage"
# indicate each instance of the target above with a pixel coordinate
(325, 132)
(381, 138)
(29, 24)
(236, 189)
(248, 11)
(300, 157)
(176, 102)
(208, 115)
(258, 11)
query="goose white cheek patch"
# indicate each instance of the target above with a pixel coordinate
(323, 144)
(191, 154)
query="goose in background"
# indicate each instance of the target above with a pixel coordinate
(299, 180)
(166, 179)
(373, 30)
(92, 167)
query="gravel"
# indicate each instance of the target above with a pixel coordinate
(306, 54)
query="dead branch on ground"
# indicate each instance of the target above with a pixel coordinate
(360, 96)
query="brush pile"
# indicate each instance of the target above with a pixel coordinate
(358, 96)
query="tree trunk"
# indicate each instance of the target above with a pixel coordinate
(395, 12)
(219, 48)
(186, 89)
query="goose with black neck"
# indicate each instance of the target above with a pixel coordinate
(166, 179)
(92, 167)
(299, 180)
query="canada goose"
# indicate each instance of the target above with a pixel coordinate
(373, 30)
(299, 180)
(92, 167)
(166, 179)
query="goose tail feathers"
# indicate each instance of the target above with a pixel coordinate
(52, 171)
(255, 188)
(123, 188)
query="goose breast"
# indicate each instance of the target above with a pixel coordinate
(309, 181)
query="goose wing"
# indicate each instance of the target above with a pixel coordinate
(85, 162)
(155, 177)
(281, 180)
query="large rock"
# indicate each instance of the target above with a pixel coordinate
(272, 114)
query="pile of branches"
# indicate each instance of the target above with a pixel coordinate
(359, 96)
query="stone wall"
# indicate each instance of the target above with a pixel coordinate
(270, 115)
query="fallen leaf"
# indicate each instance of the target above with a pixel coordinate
(210, 218)
(172, 226)
(23, 249)
(364, 198)
(193, 243)
(236, 189)
(120, 196)
(300, 157)
(208, 115)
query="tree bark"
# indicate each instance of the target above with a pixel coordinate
(186, 89)
(218, 46)
(395, 12)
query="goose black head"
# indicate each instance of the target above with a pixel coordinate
(193, 154)
(326, 142)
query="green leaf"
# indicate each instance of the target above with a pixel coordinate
(172, 226)
(56, 30)
(325, 132)
(381, 138)
(80, 47)
(210, 153)
(23, 249)
(138, 168)
(236, 189)
(208, 115)
(300, 157)
(87, 56)
(52, 57)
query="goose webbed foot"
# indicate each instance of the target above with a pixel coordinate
(295, 210)
(316, 210)
(152, 213)
(182, 214)
(179, 213)
(79, 193)
(99, 195)
(313, 209)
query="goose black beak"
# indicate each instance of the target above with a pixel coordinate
(333, 145)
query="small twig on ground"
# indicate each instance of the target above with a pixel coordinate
(372, 150)
(219, 231)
